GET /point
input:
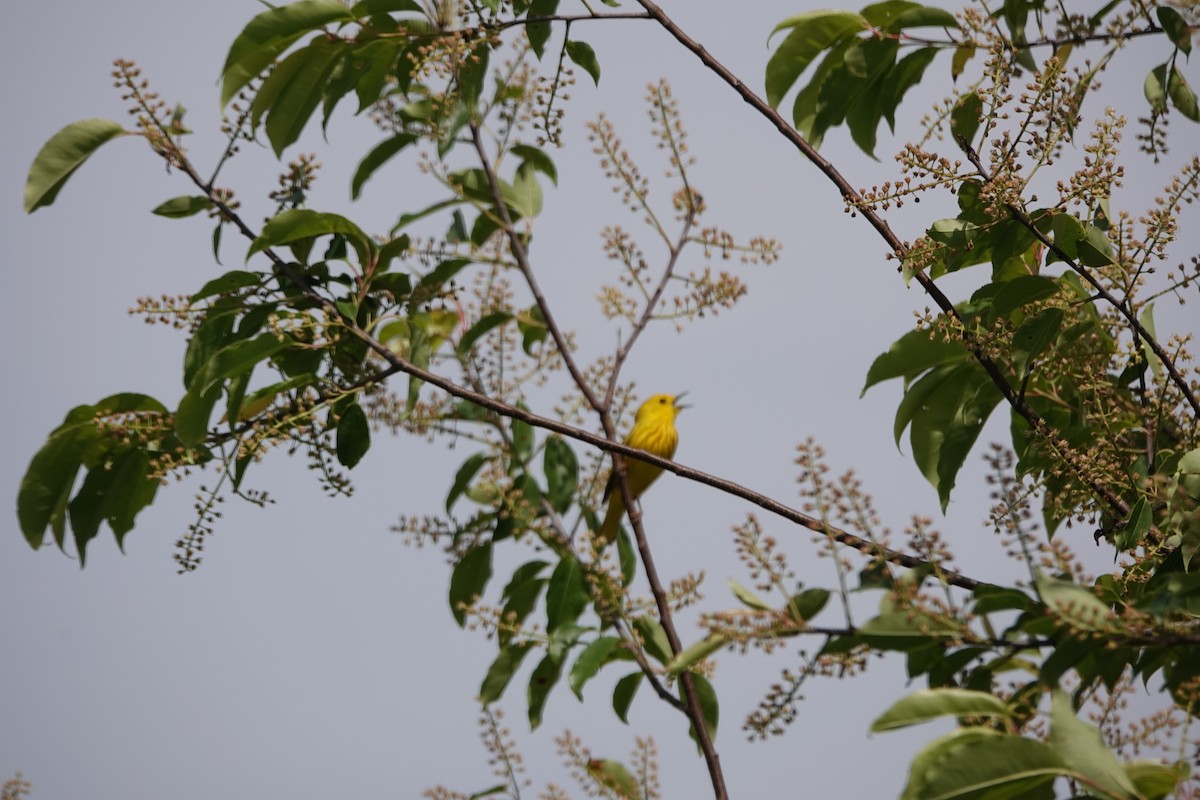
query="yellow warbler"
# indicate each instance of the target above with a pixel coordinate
(653, 431)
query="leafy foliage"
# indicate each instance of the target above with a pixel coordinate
(300, 350)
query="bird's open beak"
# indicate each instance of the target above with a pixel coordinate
(678, 405)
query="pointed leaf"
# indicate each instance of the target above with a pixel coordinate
(929, 704)
(1082, 747)
(690, 656)
(623, 694)
(353, 436)
(654, 638)
(186, 206)
(297, 100)
(747, 597)
(583, 55)
(706, 695)
(469, 579)
(375, 159)
(562, 473)
(269, 34)
(590, 660)
(64, 153)
(811, 34)
(303, 223)
(566, 595)
(1176, 27)
(545, 676)
(971, 761)
(501, 672)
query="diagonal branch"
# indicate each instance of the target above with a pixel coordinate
(850, 195)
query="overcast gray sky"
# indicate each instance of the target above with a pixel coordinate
(314, 654)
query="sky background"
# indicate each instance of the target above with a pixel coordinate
(314, 654)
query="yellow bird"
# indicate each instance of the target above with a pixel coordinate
(653, 431)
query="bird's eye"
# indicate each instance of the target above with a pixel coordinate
(662, 400)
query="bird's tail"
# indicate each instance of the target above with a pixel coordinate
(612, 518)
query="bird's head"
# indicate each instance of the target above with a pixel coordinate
(661, 407)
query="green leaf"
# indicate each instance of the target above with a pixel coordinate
(971, 761)
(1082, 748)
(194, 412)
(488, 323)
(469, 579)
(229, 282)
(472, 74)
(958, 63)
(654, 638)
(866, 88)
(353, 436)
(583, 55)
(533, 327)
(747, 597)
(811, 34)
(623, 694)
(431, 284)
(521, 595)
(924, 17)
(47, 483)
(807, 604)
(367, 8)
(928, 704)
(566, 595)
(535, 158)
(271, 33)
(1155, 88)
(381, 56)
(185, 206)
(539, 32)
(378, 156)
(1021, 291)
(237, 358)
(817, 106)
(545, 676)
(590, 660)
(1034, 336)
(1074, 604)
(690, 656)
(1182, 96)
(707, 698)
(1095, 249)
(1176, 27)
(64, 153)
(261, 399)
(561, 468)
(615, 777)
(1155, 781)
(462, 479)
(501, 671)
(912, 354)
(525, 194)
(965, 119)
(302, 89)
(112, 492)
(303, 223)
(907, 74)
(989, 598)
(883, 15)
(945, 411)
